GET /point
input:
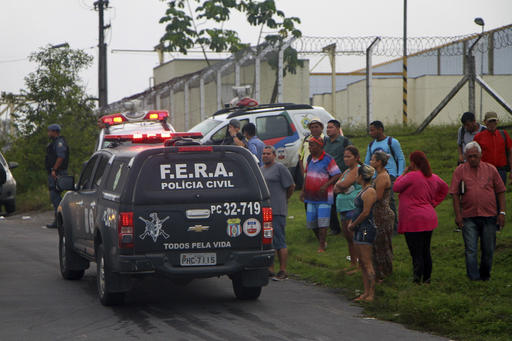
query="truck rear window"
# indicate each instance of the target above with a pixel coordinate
(197, 177)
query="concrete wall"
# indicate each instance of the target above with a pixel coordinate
(179, 67)
(424, 94)
(295, 89)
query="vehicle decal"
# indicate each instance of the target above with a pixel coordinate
(198, 228)
(234, 228)
(252, 227)
(237, 208)
(192, 176)
(110, 217)
(154, 227)
(198, 245)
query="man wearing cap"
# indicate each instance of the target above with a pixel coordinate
(56, 163)
(234, 136)
(316, 128)
(496, 145)
(321, 175)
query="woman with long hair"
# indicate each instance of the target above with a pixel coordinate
(384, 217)
(365, 230)
(420, 191)
(348, 188)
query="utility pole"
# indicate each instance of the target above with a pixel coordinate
(100, 5)
(404, 69)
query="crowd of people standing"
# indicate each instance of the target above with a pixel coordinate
(343, 195)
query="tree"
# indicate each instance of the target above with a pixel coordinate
(182, 33)
(53, 94)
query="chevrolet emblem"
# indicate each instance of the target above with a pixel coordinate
(198, 228)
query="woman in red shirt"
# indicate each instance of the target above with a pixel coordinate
(419, 192)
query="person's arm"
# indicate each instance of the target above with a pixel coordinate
(381, 184)
(397, 149)
(402, 182)
(289, 191)
(368, 155)
(501, 208)
(461, 154)
(369, 197)
(348, 181)
(457, 210)
(441, 192)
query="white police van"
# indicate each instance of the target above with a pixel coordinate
(283, 125)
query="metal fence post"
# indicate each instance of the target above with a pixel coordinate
(187, 106)
(219, 89)
(201, 98)
(369, 77)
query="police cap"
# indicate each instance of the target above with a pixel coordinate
(54, 127)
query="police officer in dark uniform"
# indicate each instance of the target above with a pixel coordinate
(56, 163)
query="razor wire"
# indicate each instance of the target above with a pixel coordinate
(393, 46)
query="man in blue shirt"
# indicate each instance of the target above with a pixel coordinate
(254, 144)
(391, 146)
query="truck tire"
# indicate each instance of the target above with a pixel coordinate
(10, 206)
(245, 293)
(104, 281)
(67, 257)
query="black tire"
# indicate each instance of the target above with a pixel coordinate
(66, 257)
(104, 279)
(245, 293)
(10, 206)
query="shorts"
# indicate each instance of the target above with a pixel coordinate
(279, 240)
(318, 215)
(348, 215)
(365, 235)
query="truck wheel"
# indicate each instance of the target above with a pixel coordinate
(245, 293)
(66, 257)
(104, 278)
(10, 206)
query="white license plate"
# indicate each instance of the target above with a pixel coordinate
(197, 259)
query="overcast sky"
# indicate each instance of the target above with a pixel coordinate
(26, 25)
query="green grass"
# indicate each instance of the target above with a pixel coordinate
(35, 199)
(452, 305)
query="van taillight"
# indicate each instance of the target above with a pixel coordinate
(125, 230)
(268, 231)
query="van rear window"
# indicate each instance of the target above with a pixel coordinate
(197, 177)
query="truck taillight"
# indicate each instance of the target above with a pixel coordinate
(268, 230)
(125, 230)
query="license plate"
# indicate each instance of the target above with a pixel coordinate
(197, 259)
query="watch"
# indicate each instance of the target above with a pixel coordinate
(503, 212)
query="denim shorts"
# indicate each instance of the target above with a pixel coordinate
(278, 223)
(348, 215)
(365, 235)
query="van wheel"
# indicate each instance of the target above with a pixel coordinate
(104, 278)
(66, 257)
(10, 206)
(245, 293)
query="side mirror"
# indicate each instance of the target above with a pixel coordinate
(13, 165)
(66, 183)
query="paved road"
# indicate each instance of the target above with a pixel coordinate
(37, 304)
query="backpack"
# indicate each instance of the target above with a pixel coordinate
(390, 139)
(502, 132)
(463, 131)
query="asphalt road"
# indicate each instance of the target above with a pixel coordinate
(37, 304)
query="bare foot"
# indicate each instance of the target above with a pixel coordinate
(360, 298)
(368, 299)
(353, 271)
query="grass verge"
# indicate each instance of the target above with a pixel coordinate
(452, 305)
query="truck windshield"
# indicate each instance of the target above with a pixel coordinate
(206, 126)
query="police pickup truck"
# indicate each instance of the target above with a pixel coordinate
(182, 212)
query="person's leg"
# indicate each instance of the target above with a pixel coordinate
(279, 223)
(503, 175)
(54, 199)
(324, 216)
(392, 203)
(334, 224)
(283, 258)
(487, 245)
(427, 257)
(312, 218)
(364, 274)
(365, 259)
(349, 236)
(415, 249)
(470, 235)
